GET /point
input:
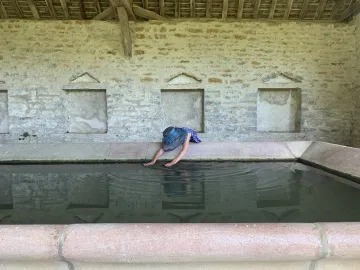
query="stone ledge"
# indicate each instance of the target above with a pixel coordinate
(180, 243)
(123, 151)
(334, 158)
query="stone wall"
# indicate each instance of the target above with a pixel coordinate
(43, 63)
(356, 118)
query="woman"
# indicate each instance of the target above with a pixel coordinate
(172, 138)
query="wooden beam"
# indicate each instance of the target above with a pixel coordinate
(33, 9)
(126, 5)
(50, 6)
(208, 8)
(97, 6)
(336, 8)
(146, 4)
(65, 9)
(225, 9)
(82, 11)
(320, 9)
(108, 13)
(146, 14)
(304, 9)
(288, 9)
(352, 11)
(17, 8)
(192, 8)
(125, 31)
(162, 7)
(240, 9)
(177, 8)
(272, 9)
(4, 14)
(256, 9)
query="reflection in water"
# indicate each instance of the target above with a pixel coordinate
(188, 192)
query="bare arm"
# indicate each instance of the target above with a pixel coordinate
(182, 152)
(157, 155)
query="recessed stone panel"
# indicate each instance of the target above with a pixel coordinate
(87, 111)
(4, 113)
(278, 110)
(183, 108)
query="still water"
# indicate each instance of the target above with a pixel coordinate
(194, 192)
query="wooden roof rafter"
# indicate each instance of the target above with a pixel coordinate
(309, 10)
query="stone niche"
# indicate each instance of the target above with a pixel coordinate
(278, 110)
(183, 108)
(4, 113)
(86, 111)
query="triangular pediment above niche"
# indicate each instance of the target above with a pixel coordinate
(184, 78)
(2, 82)
(84, 78)
(282, 78)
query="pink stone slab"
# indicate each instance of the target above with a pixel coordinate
(167, 243)
(343, 240)
(29, 242)
(335, 157)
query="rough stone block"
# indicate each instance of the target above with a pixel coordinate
(183, 108)
(4, 113)
(278, 110)
(87, 111)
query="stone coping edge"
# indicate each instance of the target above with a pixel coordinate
(337, 159)
(140, 151)
(179, 243)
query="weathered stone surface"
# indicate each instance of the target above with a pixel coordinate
(356, 95)
(4, 114)
(278, 110)
(183, 108)
(87, 111)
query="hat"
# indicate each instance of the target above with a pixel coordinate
(172, 138)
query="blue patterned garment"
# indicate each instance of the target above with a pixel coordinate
(194, 137)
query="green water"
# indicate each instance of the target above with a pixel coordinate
(194, 192)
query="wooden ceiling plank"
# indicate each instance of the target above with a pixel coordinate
(125, 31)
(50, 6)
(304, 9)
(17, 8)
(4, 13)
(208, 8)
(65, 9)
(146, 14)
(146, 4)
(272, 9)
(97, 6)
(33, 9)
(177, 8)
(192, 8)
(240, 9)
(82, 11)
(106, 14)
(225, 9)
(353, 10)
(288, 9)
(256, 9)
(336, 8)
(162, 7)
(320, 9)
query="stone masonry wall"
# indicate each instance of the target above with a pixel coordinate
(229, 60)
(356, 118)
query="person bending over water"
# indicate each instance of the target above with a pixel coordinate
(172, 138)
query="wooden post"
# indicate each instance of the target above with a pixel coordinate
(125, 31)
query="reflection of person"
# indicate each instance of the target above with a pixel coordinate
(172, 138)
